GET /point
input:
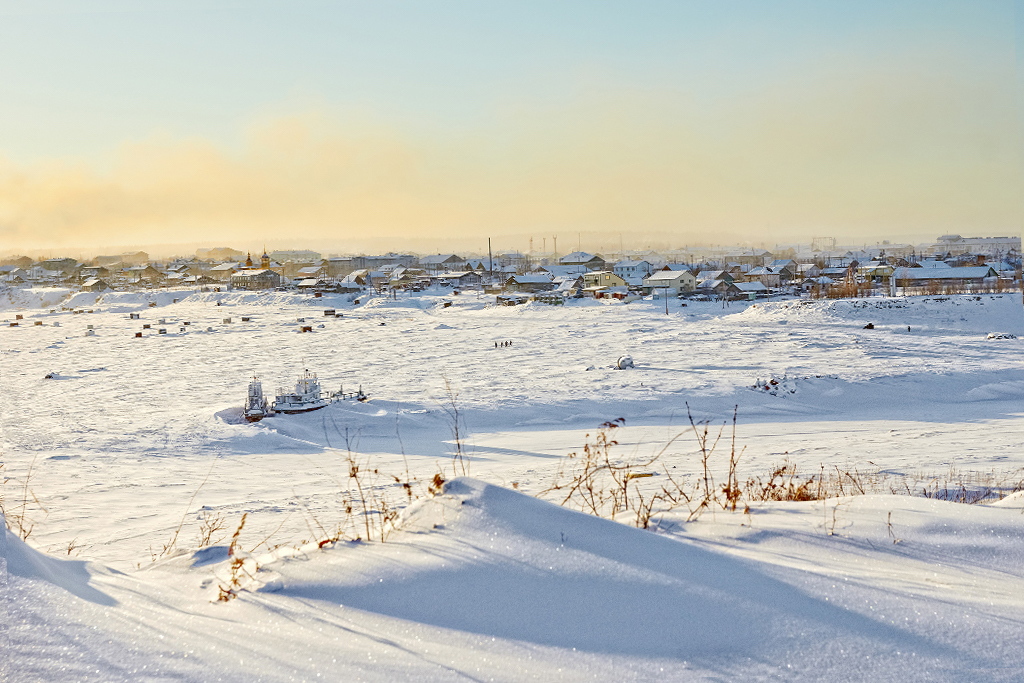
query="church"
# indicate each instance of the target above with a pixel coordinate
(252, 278)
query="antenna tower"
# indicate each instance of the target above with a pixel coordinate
(823, 244)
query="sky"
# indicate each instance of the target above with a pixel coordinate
(358, 126)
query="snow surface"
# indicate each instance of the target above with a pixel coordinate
(484, 582)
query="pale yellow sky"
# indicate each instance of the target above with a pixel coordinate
(889, 136)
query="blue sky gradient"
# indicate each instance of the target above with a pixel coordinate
(880, 116)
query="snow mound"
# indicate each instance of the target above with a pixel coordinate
(488, 560)
(71, 575)
(1001, 335)
(995, 391)
(34, 297)
(959, 313)
(210, 555)
(1014, 501)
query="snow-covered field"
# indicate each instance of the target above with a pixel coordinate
(485, 581)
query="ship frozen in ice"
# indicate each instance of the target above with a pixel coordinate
(256, 405)
(306, 397)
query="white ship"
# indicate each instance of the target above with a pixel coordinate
(256, 406)
(305, 398)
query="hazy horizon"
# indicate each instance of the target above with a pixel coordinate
(593, 243)
(344, 127)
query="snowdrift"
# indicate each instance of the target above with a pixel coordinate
(951, 313)
(37, 297)
(486, 582)
(69, 575)
(518, 568)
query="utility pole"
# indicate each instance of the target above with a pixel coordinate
(555, 238)
(490, 264)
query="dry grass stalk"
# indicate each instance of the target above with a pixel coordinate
(210, 524)
(597, 482)
(368, 502)
(238, 571)
(172, 543)
(450, 406)
(17, 519)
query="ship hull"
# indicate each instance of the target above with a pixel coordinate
(295, 410)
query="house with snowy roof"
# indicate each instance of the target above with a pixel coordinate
(672, 282)
(198, 280)
(630, 268)
(964, 275)
(716, 275)
(67, 266)
(717, 288)
(633, 272)
(13, 275)
(40, 274)
(140, 273)
(516, 259)
(787, 269)
(989, 246)
(95, 285)
(781, 263)
(95, 271)
(749, 257)
(876, 271)
(806, 270)
(462, 279)
(751, 290)
(821, 281)
(438, 263)
(570, 285)
(359, 277)
(530, 282)
(582, 258)
(602, 278)
(561, 271)
(315, 272)
(310, 283)
(261, 278)
(224, 271)
(672, 266)
(764, 275)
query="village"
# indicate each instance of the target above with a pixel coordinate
(951, 264)
(511, 341)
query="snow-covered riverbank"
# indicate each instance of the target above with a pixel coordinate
(506, 587)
